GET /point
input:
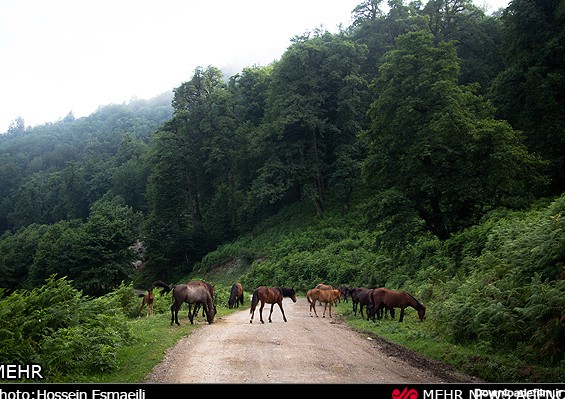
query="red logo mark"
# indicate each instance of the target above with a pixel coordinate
(405, 394)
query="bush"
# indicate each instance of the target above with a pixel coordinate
(56, 326)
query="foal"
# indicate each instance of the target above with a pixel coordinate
(147, 300)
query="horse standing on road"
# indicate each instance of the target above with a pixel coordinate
(271, 295)
(325, 296)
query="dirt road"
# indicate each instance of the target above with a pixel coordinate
(303, 350)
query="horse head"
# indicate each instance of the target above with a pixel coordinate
(422, 312)
(290, 293)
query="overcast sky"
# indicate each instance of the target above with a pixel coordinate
(59, 56)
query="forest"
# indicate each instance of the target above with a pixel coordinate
(421, 148)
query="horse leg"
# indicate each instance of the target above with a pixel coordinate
(282, 310)
(205, 311)
(313, 306)
(193, 313)
(325, 307)
(271, 312)
(330, 310)
(401, 315)
(261, 312)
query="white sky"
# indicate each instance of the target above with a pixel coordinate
(58, 56)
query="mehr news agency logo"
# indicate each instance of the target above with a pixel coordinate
(479, 393)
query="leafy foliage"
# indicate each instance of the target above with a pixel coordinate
(56, 326)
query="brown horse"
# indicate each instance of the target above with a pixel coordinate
(270, 295)
(147, 300)
(398, 299)
(377, 307)
(193, 294)
(210, 288)
(324, 296)
(328, 287)
(236, 296)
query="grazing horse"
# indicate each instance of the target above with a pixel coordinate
(210, 288)
(323, 296)
(148, 300)
(399, 299)
(377, 307)
(361, 297)
(193, 294)
(236, 296)
(344, 292)
(270, 295)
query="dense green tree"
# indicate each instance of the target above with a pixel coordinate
(96, 254)
(436, 145)
(308, 118)
(18, 251)
(178, 186)
(529, 92)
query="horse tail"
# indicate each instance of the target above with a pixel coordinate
(166, 287)
(254, 301)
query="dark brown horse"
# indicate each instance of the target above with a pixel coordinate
(398, 299)
(212, 291)
(193, 294)
(236, 296)
(325, 296)
(270, 295)
(360, 297)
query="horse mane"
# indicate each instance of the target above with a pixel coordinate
(286, 292)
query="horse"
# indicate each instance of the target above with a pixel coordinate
(323, 296)
(192, 294)
(399, 299)
(360, 297)
(344, 292)
(148, 300)
(270, 295)
(377, 307)
(236, 296)
(327, 287)
(210, 288)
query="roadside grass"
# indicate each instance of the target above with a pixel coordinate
(474, 361)
(153, 335)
